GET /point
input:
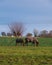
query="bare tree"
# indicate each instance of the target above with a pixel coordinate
(35, 32)
(50, 33)
(44, 33)
(17, 28)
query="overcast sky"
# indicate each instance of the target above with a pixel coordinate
(33, 13)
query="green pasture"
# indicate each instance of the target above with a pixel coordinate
(10, 54)
(27, 55)
(9, 41)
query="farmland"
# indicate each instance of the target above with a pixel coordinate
(27, 55)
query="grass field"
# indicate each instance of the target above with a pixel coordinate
(27, 55)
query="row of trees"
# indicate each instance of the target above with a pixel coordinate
(6, 34)
(18, 28)
(45, 33)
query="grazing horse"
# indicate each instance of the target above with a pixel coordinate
(25, 41)
(19, 40)
(31, 39)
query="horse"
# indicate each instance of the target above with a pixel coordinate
(25, 41)
(19, 40)
(33, 40)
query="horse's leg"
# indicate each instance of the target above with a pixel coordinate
(37, 43)
(16, 43)
(33, 42)
(22, 41)
(23, 44)
(26, 41)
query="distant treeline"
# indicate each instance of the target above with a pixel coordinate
(18, 29)
(43, 33)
